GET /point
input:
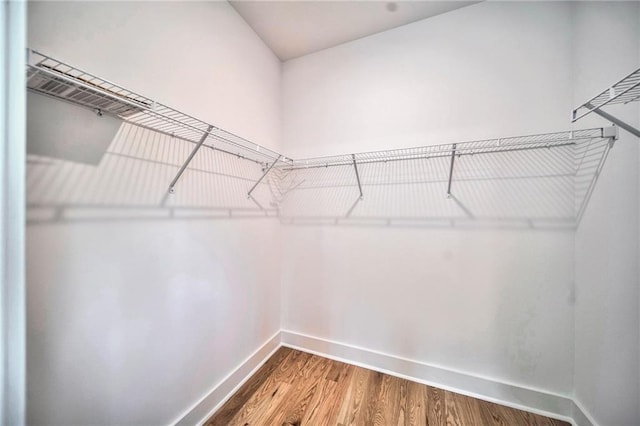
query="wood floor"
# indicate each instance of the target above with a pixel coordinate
(295, 388)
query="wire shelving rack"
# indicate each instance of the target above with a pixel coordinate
(625, 91)
(561, 168)
(551, 165)
(54, 78)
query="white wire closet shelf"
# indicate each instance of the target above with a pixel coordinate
(54, 78)
(625, 91)
(488, 146)
(544, 177)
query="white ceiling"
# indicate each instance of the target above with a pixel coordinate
(297, 28)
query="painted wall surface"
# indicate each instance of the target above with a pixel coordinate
(457, 77)
(136, 311)
(607, 314)
(493, 302)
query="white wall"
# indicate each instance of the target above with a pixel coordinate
(489, 302)
(455, 77)
(607, 314)
(133, 318)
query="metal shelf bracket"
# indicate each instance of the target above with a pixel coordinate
(611, 133)
(255, 185)
(355, 167)
(628, 127)
(453, 159)
(186, 163)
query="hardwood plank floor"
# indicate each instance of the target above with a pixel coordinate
(294, 388)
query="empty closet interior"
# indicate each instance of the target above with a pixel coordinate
(452, 199)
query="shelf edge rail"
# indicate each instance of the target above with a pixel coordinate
(624, 91)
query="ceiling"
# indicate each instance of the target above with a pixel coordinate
(296, 28)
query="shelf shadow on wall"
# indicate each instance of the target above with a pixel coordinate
(130, 182)
(543, 188)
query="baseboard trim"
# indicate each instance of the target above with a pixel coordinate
(221, 392)
(519, 397)
(581, 416)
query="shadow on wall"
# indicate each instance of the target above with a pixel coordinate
(81, 167)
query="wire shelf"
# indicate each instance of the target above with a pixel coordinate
(519, 143)
(545, 178)
(624, 91)
(54, 78)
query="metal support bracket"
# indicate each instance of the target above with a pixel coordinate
(186, 163)
(31, 59)
(453, 159)
(629, 128)
(360, 197)
(355, 166)
(611, 133)
(255, 185)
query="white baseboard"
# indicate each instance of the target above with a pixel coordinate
(581, 416)
(221, 392)
(519, 397)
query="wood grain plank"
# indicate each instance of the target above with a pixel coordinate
(494, 414)
(403, 388)
(417, 401)
(436, 409)
(255, 410)
(337, 399)
(354, 399)
(387, 409)
(289, 367)
(271, 387)
(368, 409)
(304, 386)
(297, 400)
(537, 420)
(224, 415)
(462, 410)
(319, 405)
(556, 422)
(337, 370)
